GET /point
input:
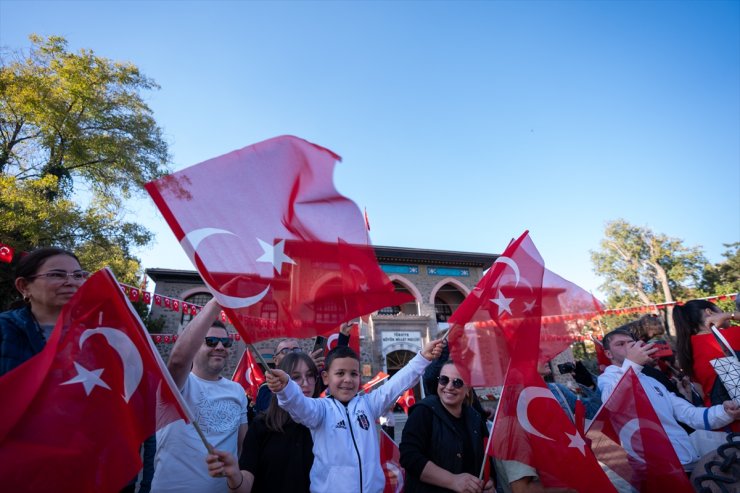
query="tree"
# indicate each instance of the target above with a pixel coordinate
(76, 140)
(723, 277)
(643, 267)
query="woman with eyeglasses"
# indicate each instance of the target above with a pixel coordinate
(443, 441)
(277, 453)
(47, 278)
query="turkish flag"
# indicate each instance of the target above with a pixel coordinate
(532, 428)
(374, 381)
(390, 460)
(273, 239)
(75, 415)
(6, 253)
(354, 340)
(147, 297)
(516, 292)
(627, 436)
(249, 375)
(134, 295)
(406, 400)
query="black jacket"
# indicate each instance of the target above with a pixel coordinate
(430, 435)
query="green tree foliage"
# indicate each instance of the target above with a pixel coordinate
(643, 267)
(76, 140)
(723, 277)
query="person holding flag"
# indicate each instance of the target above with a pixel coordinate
(47, 278)
(219, 406)
(277, 452)
(442, 446)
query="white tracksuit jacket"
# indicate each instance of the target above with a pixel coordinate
(345, 440)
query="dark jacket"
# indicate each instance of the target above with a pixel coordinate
(20, 338)
(430, 435)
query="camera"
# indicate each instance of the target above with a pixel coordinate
(568, 367)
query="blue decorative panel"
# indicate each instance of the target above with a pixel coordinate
(448, 271)
(400, 269)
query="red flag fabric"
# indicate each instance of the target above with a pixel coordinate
(516, 291)
(407, 400)
(6, 253)
(147, 297)
(374, 381)
(354, 340)
(75, 415)
(486, 323)
(249, 375)
(275, 245)
(390, 460)
(627, 436)
(532, 428)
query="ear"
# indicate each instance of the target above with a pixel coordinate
(325, 377)
(20, 285)
(608, 354)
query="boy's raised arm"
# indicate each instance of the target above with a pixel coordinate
(382, 398)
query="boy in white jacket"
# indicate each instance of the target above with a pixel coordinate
(345, 441)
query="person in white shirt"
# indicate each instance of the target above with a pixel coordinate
(219, 406)
(625, 352)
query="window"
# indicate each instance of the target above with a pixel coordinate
(199, 299)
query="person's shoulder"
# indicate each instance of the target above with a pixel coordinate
(18, 316)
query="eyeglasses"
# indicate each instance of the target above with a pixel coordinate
(61, 276)
(457, 383)
(308, 377)
(213, 341)
(287, 350)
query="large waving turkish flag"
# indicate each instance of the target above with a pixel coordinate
(283, 252)
(75, 415)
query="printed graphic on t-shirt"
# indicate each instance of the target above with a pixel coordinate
(217, 416)
(341, 425)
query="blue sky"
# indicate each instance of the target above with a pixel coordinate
(460, 124)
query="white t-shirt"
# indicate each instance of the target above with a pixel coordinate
(220, 408)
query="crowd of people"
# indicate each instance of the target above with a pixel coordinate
(300, 442)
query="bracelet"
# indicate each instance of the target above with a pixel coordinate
(237, 486)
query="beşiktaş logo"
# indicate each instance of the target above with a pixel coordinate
(362, 420)
(341, 425)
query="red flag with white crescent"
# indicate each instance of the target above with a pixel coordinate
(249, 375)
(407, 400)
(283, 252)
(626, 436)
(88, 400)
(374, 381)
(6, 253)
(390, 461)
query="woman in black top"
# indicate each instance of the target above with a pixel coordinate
(277, 453)
(442, 447)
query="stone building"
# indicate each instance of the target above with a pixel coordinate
(437, 280)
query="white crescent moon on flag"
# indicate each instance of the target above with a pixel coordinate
(331, 342)
(248, 376)
(628, 431)
(396, 471)
(133, 368)
(190, 244)
(510, 263)
(527, 395)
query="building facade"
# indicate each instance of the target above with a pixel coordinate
(438, 281)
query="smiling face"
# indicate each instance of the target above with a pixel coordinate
(343, 378)
(209, 362)
(51, 294)
(452, 398)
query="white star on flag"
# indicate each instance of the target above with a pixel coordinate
(88, 378)
(577, 442)
(503, 303)
(529, 306)
(275, 255)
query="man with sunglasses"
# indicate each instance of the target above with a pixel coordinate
(218, 404)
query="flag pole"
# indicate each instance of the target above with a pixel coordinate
(490, 439)
(259, 357)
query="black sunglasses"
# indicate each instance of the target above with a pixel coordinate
(457, 383)
(287, 350)
(212, 341)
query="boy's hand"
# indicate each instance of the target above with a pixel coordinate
(732, 409)
(346, 327)
(277, 380)
(640, 353)
(432, 349)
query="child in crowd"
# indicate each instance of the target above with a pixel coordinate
(346, 451)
